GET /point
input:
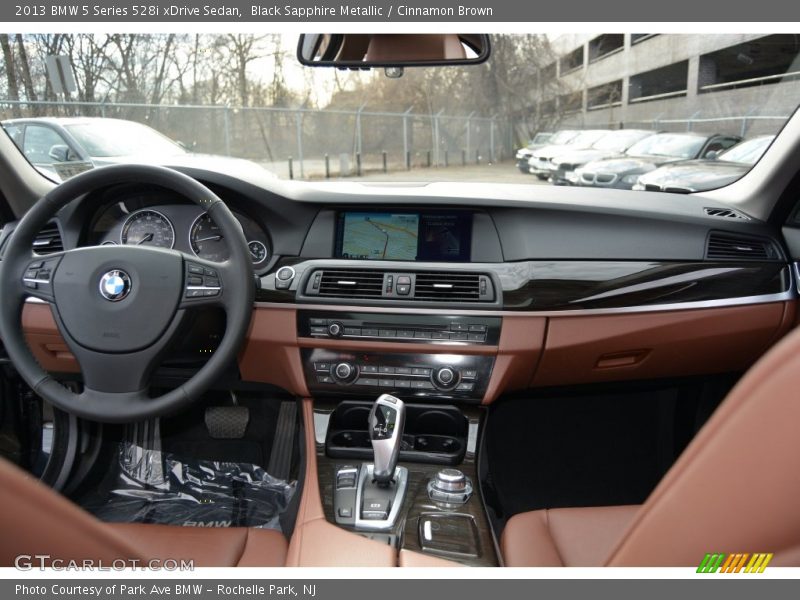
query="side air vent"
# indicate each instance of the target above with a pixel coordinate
(727, 246)
(48, 240)
(725, 213)
(452, 287)
(351, 283)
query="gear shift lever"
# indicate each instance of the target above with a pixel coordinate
(386, 421)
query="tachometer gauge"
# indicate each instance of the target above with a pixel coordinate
(258, 252)
(148, 227)
(206, 239)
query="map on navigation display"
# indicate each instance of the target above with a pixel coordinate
(380, 236)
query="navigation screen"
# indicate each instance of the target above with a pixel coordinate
(404, 236)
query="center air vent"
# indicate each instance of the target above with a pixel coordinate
(421, 286)
(48, 240)
(729, 246)
(451, 287)
(351, 283)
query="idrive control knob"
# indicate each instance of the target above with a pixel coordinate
(344, 372)
(445, 378)
(450, 486)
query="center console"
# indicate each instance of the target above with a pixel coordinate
(404, 474)
(337, 368)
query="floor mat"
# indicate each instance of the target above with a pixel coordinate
(594, 450)
(158, 487)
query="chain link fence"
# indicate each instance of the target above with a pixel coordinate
(307, 143)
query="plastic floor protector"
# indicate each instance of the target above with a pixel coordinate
(157, 487)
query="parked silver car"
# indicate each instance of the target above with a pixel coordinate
(539, 163)
(61, 147)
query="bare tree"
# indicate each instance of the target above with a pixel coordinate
(11, 75)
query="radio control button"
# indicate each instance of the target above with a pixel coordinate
(369, 369)
(335, 329)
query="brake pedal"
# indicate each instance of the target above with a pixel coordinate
(227, 422)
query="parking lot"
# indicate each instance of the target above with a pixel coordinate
(502, 172)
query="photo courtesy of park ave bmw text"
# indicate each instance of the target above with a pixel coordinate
(399, 299)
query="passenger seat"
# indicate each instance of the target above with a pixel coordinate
(734, 489)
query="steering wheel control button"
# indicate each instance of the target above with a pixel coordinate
(201, 282)
(115, 285)
(284, 278)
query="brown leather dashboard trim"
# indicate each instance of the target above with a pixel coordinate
(45, 341)
(532, 351)
(641, 346)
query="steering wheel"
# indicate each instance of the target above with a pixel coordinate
(120, 307)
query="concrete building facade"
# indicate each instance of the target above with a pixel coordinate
(745, 84)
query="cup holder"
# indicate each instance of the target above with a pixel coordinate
(432, 434)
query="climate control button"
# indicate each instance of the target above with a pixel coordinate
(445, 378)
(344, 372)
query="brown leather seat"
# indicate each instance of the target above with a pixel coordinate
(734, 489)
(37, 521)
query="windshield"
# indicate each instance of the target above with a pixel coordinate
(109, 137)
(245, 96)
(619, 141)
(668, 145)
(748, 152)
(584, 139)
(563, 137)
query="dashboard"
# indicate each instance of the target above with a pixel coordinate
(451, 292)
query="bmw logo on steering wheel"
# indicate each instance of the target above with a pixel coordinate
(115, 285)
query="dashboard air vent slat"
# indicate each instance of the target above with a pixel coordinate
(351, 283)
(725, 213)
(726, 246)
(448, 287)
(48, 240)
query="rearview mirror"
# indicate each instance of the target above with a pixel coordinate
(358, 51)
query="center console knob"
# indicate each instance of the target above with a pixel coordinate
(445, 377)
(451, 480)
(335, 329)
(344, 372)
(450, 486)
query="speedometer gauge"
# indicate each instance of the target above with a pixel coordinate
(206, 239)
(148, 227)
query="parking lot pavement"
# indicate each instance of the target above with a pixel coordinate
(504, 172)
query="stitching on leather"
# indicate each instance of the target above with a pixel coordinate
(244, 546)
(552, 537)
